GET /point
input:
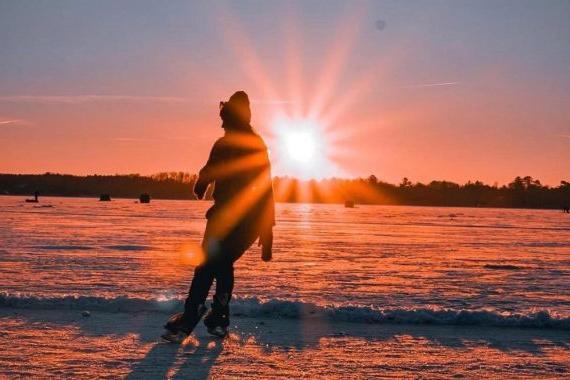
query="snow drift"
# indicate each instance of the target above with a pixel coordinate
(276, 308)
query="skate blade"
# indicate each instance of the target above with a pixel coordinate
(220, 332)
(171, 337)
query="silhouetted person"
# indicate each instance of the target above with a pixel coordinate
(144, 198)
(36, 198)
(105, 198)
(243, 212)
(566, 209)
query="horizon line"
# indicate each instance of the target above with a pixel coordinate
(378, 180)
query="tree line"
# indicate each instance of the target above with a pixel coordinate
(522, 192)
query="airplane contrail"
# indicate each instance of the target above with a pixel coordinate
(432, 84)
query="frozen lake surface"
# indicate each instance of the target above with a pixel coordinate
(514, 261)
(394, 272)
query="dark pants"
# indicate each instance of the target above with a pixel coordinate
(220, 255)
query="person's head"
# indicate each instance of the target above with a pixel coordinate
(235, 113)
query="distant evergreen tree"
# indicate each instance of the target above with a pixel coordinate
(525, 192)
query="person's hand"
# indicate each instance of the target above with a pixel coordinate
(266, 243)
(199, 192)
(200, 188)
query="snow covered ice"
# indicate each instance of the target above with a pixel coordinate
(370, 291)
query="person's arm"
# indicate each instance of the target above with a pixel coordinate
(207, 174)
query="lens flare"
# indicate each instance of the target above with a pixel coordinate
(301, 148)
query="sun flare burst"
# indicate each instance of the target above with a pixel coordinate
(303, 118)
(302, 148)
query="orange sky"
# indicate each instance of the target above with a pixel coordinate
(436, 90)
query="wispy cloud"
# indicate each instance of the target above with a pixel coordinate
(13, 122)
(564, 136)
(129, 139)
(74, 99)
(272, 101)
(440, 84)
(148, 139)
(79, 99)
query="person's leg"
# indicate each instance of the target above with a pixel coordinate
(201, 283)
(194, 307)
(205, 272)
(233, 247)
(218, 318)
(224, 275)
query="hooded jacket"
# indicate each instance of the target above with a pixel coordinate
(240, 170)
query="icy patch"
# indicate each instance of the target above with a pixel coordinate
(275, 308)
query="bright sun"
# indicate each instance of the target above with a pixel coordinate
(302, 148)
(300, 145)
